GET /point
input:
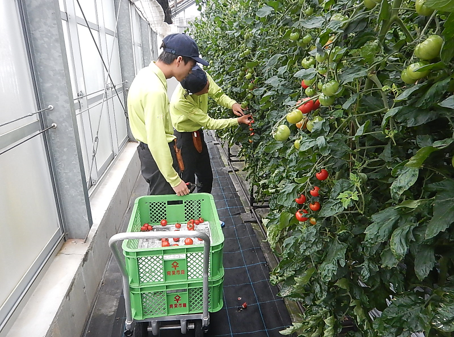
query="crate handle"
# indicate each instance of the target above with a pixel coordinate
(174, 202)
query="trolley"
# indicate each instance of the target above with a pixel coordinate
(174, 287)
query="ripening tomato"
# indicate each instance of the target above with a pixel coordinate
(322, 175)
(312, 221)
(315, 206)
(304, 85)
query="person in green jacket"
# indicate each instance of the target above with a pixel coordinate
(189, 112)
(149, 116)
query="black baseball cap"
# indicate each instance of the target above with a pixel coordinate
(182, 45)
(195, 81)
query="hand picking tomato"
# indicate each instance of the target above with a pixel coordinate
(315, 206)
(188, 241)
(314, 191)
(301, 200)
(299, 215)
(322, 175)
(164, 222)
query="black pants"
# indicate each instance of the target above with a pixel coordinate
(195, 164)
(157, 185)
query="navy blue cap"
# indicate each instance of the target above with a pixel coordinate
(195, 81)
(182, 45)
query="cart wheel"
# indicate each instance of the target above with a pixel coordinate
(128, 333)
(198, 331)
(141, 329)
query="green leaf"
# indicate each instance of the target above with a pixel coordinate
(301, 180)
(340, 186)
(331, 208)
(441, 5)
(287, 195)
(407, 93)
(411, 116)
(313, 22)
(306, 277)
(305, 73)
(284, 219)
(403, 182)
(334, 256)
(418, 159)
(400, 240)
(433, 95)
(448, 103)
(264, 11)
(362, 129)
(274, 81)
(273, 146)
(447, 51)
(252, 64)
(424, 261)
(350, 74)
(348, 103)
(444, 314)
(382, 226)
(390, 113)
(443, 211)
(412, 204)
(343, 283)
(388, 260)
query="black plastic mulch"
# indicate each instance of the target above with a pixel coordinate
(246, 278)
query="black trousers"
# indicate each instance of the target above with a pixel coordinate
(157, 185)
(195, 164)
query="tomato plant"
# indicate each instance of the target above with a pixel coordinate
(384, 236)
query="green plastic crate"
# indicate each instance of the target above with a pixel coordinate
(152, 266)
(175, 299)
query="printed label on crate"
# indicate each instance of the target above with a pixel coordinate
(177, 303)
(174, 256)
(175, 270)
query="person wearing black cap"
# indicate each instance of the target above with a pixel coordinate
(149, 116)
(188, 109)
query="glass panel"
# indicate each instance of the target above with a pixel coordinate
(83, 144)
(120, 119)
(29, 215)
(61, 3)
(91, 61)
(89, 8)
(139, 58)
(114, 59)
(100, 126)
(109, 14)
(69, 54)
(16, 91)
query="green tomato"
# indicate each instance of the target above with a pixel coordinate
(320, 57)
(250, 96)
(429, 48)
(322, 70)
(369, 4)
(250, 86)
(330, 88)
(294, 36)
(310, 82)
(308, 62)
(326, 100)
(294, 116)
(246, 52)
(296, 144)
(319, 85)
(309, 11)
(422, 9)
(452, 161)
(404, 76)
(309, 91)
(335, 55)
(338, 17)
(282, 133)
(416, 75)
(248, 76)
(245, 104)
(241, 74)
(310, 123)
(307, 38)
(300, 43)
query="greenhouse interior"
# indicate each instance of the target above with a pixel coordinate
(318, 199)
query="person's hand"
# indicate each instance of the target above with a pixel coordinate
(181, 189)
(245, 119)
(237, 110)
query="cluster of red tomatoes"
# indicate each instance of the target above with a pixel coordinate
(302, 214)
(165, 242)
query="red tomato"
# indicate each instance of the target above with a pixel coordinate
(164, 239)
(197, 222)
(190, 226)
(178, 225)
(201, 220)
(175, 244)
(315, 206)
(176, 239)
(307, 106)
(300, 216)
(149, 227)
(322, 175)
(304, 85)
(163, 222)
(301, 200)
(165, 244)
(314, 191)
(188, 241)
(316, 105)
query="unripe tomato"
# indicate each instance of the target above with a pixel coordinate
(248, 76)
(422, 9)
(326, 100)
(308, 62)
(416, 75)
(310, 124)
(296, 144)
(309, 91)
(320, 57)
(294, 116)
(429, 48)
(282, 133)
(309, 11)
(330, 88)
(404, 76)
(452, 161)
(294, 36)
(307, 38)
(369, 4)
(309, 82)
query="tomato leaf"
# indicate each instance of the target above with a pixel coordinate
(388, 260)
(411, 116)
(362, 129)
(434, 94)
(382, 226)
(287, 195)
(334, 256)
(331, 208)
(305, 278)
(418, 159)
(264, 11)
(306, 73)
(447, 51)
(444, 313)
(443, 211)
(448, 102)
(348, 103)
(424, 261)
(284, 219)
(400, 240)
(441, 5)
(407, 93)
(403, 182)
(313, 22)
(350, 74)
